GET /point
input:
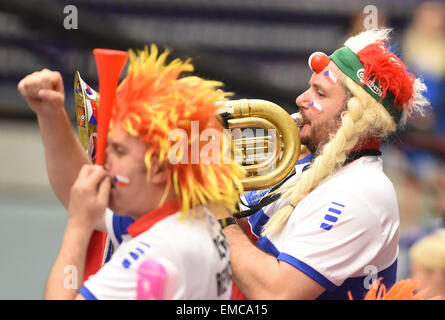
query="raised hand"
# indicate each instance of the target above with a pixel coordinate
(43, 90)
(89, 197)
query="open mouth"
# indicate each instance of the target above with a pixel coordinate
(300, 119)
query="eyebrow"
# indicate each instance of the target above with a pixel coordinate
(318, 86)
(115, 145)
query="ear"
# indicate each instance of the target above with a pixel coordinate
(159, 173)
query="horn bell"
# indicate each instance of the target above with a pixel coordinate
(283, 147)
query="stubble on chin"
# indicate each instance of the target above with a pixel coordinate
(321, 134)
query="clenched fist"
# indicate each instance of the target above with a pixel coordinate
(43, 90)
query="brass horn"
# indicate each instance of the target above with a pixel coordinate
(282, 146)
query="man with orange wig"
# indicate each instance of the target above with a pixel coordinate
(162, 205)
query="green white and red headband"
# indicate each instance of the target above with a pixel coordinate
(377, 70)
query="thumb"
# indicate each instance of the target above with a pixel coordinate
(51, 97)
(103, 193)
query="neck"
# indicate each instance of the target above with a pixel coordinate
(154, 202)
(367, 144)
(363, 144)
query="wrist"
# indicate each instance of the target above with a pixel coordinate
(49, 114)
(78, 235)
(79, 226)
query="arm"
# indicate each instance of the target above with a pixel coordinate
(261, 276)
(64, 155)
(267, 278)
(88, 201)
(62, 285)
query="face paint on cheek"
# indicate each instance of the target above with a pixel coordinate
(121, 180)
(329, 75)
(316, 106)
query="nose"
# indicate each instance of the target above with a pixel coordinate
(107, 164)
(303, 100)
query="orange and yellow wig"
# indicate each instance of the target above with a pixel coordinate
(156, 98)
(402, 290)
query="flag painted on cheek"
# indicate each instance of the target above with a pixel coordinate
(121, 180)
(315, 106)
(330, 76)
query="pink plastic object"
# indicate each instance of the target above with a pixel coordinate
(152, 281)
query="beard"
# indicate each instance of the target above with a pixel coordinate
(320, 133)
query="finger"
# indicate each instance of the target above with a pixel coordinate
(45, 81)
(51, 80)
(85, 171)
(29, 86)
(58, 83)
(97, 175)
(20, 86)
(51, 96)
(103, 194)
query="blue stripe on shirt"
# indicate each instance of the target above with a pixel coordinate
(334, 211)
(358, 286)
(257, 221)
(308, 158)
(87, 293)
(120, 225)
(267, 246)
(308, 270)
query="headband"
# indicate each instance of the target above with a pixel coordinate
(348, 62)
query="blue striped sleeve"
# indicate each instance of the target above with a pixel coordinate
(87, 293)
(308, 270)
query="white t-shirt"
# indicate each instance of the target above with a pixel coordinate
(343, 235)
(196, 247)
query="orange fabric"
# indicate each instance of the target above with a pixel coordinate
(237, 294)
(401, 290)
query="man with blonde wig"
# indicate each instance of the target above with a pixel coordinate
(335, 227)
(428, 264)
(160, 207)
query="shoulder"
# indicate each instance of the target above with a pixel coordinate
(198, 249)
(183, 236)
(179, 227)
(368, 184)
(360, 193)
(364, 182)
(366, 172)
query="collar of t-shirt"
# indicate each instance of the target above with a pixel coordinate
(372, 146)
(150, 218)
(367, 147)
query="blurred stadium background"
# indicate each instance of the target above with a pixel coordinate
(258, 48)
